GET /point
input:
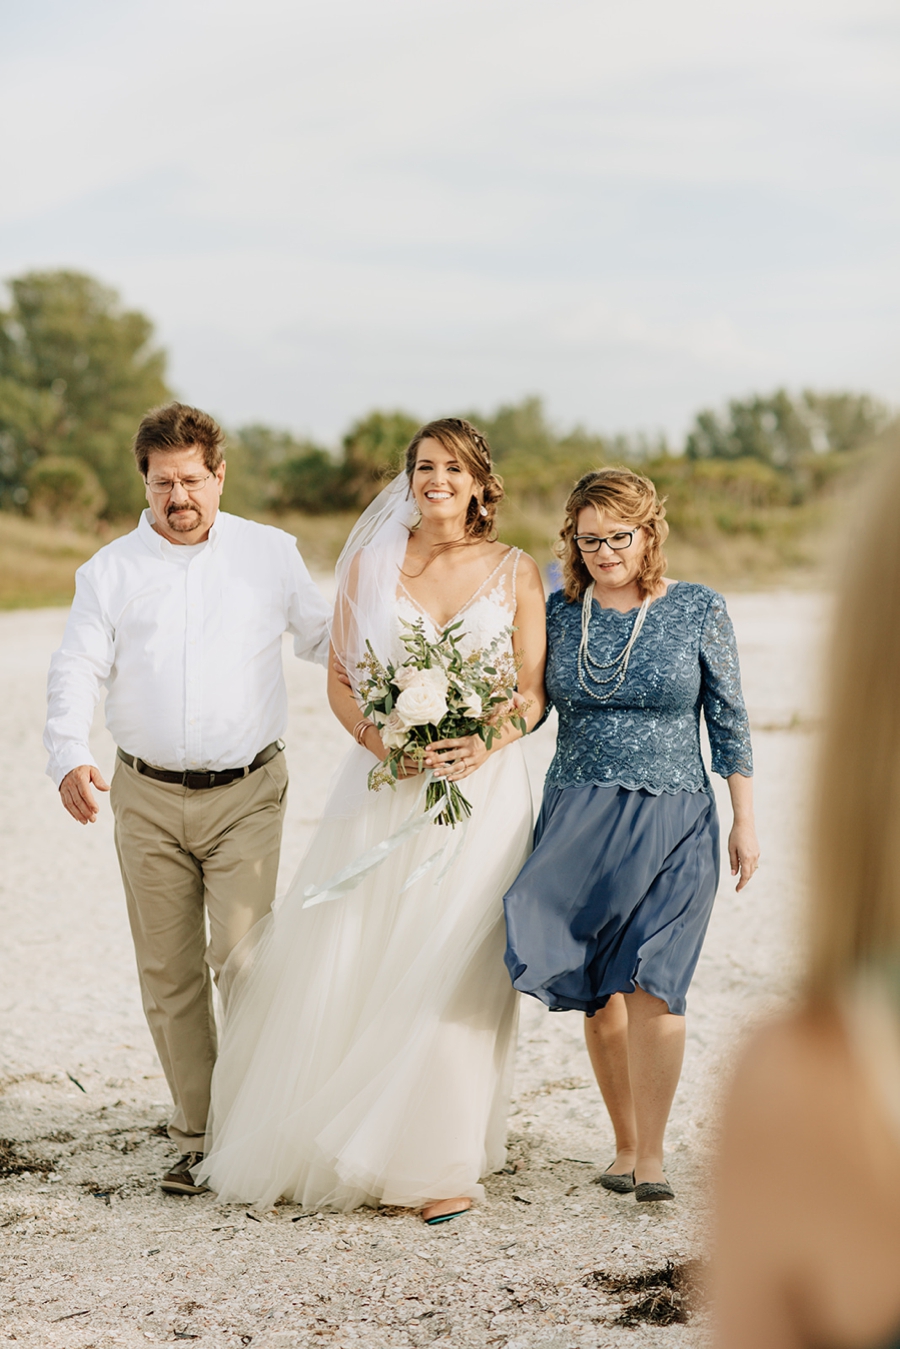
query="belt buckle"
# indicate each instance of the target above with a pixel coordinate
(206, 780)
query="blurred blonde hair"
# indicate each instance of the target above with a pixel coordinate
(633, 500)
(855, 904)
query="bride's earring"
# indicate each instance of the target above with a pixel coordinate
(417, 518)
(482, 510)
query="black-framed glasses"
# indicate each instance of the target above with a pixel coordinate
(164, 486)
(589, 543)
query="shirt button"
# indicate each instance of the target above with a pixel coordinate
(192, 721)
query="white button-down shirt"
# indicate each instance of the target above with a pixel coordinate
(187, 643)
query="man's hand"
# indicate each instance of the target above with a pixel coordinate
(339, 670)
(76, 794)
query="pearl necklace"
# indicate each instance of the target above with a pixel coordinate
(589, 669)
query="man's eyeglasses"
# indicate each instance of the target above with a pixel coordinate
(163, 486)
(589, 543)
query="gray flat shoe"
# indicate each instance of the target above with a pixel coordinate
(622, 1184)
(653, 1191)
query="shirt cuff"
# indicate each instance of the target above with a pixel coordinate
(318, 654)
(74, 757)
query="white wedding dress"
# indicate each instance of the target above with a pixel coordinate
(367, 1047)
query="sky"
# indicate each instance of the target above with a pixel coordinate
(632, 209)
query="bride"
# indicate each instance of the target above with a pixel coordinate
(369, 1023)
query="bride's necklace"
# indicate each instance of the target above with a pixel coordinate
(590, 669)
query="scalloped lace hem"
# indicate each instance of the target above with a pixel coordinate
(630, 786)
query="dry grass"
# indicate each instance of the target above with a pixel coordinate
(38, 561)
(784, 548)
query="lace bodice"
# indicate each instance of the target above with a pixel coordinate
(485, 615)
(648, 734)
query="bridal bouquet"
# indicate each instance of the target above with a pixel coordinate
(438, 693)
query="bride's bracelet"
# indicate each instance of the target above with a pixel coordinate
(359, 730)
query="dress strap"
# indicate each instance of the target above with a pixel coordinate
(515, 573)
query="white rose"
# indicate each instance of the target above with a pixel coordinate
(421, 702)
(408, 675)
(393, 732)
(472, 705)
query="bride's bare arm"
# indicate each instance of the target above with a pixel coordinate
(347, 710)
(456, 759)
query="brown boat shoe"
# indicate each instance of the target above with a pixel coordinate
(178, 1180)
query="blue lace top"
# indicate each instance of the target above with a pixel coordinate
(648, 734)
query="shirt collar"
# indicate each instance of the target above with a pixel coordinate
(156, 543)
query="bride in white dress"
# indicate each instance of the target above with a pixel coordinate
(368, 1037)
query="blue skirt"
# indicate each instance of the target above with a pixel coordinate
(617, 892)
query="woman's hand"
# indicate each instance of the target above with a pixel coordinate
(372, 741)
(743, 846)
(456, 759)
(743, 851)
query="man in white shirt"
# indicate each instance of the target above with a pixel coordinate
(181, 622)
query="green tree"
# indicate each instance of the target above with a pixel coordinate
(258, 468)
(311, 482)
(373, 451)
(537, 464)
(785, 431)
(61, 488)
(519, 430)
(77, 372)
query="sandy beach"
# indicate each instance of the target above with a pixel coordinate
(94, 1255)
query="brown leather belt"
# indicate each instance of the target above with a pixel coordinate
(199, 781)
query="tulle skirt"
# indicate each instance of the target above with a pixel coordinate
(366, 1052)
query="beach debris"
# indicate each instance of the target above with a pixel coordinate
(101, 1190)
(658, 1297)
(13, 1163)
(77, 1083)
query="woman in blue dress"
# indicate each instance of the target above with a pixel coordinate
(609, 913)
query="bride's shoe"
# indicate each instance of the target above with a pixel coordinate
(442, 1210)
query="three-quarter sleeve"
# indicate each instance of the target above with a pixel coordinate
(723, 700)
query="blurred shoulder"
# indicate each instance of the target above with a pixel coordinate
(794, 1072)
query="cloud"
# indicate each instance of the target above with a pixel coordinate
(630, 208)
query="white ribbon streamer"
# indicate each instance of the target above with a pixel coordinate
(351, 875)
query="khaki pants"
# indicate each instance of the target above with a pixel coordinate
(185, 855)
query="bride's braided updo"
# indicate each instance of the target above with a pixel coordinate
(466, 442)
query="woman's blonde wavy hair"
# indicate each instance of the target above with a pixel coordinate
(470, 446)
(631, 499)
(854, 912)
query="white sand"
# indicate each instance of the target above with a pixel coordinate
(130, 1265)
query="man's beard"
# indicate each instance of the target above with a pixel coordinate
(184, 520)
